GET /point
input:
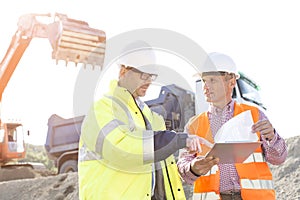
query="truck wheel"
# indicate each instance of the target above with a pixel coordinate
(69, 166)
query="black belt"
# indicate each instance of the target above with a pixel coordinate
(231, 195)
(231, 192)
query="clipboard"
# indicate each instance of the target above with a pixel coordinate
(233, 152)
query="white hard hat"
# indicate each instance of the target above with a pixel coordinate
(139, 55)
(221, 63)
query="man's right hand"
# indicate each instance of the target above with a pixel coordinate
(201, 165)
(194, 142)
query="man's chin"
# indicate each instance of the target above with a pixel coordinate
(142, 94)
(142, 90)
(208, 100)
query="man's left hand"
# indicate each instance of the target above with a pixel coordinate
(265, 128)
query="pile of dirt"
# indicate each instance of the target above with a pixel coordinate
(60, 187)
(23, 172)
(65, 186)
(17, 173)
(287, 176)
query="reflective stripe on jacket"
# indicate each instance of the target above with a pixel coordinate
(117, 152)
(255, 175)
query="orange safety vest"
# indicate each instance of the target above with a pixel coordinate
(255, 176)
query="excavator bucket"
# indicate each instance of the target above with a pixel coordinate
(74, 41)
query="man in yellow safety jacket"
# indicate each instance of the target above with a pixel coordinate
(249, 180)
(125, 150)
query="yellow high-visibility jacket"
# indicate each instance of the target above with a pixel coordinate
(117, 151)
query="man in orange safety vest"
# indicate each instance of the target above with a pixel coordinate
(249, 180)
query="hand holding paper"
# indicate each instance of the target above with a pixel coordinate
(265, 128)
(238, 128)
(235, 141)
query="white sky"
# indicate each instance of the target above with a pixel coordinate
(263, 37)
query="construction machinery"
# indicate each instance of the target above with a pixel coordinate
(175, 104)
(71, 41)
(62, 142)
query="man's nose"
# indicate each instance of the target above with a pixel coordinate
(205, 85)
(148, 80)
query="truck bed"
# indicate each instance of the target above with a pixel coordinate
(63, 134)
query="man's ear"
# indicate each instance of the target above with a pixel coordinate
(122, 72)
(232, 82)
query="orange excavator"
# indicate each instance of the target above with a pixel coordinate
(71, 40)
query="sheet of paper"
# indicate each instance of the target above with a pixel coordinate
(237, 129)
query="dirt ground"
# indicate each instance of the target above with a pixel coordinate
(60, 187)
(18, 173)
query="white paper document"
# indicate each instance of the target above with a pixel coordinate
(235, 141)
(237, 129)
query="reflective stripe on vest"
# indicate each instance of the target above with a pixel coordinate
(104, 132)
(130, 119)
(109, 127)
(148, 144)
(86, 155)
(255, 157)
(257, 184)
(148, 136)
(206, 196)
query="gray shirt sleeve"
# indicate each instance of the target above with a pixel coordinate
(167, 143)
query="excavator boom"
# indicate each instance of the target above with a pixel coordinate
(71, 41)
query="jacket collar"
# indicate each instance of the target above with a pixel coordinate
(121, 93)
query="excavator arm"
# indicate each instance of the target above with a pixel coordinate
(11, 59)
(71, 40)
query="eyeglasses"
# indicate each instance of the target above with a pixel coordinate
(144, 76)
